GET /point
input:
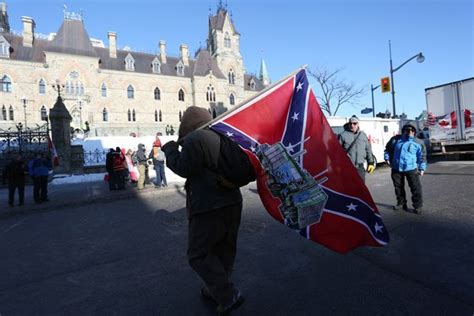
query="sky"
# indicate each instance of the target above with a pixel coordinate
(323, 34)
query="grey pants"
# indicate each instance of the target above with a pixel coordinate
(212, 246)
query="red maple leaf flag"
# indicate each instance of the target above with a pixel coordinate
(54, 153)
(304, 178)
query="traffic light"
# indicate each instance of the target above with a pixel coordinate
(385, 84)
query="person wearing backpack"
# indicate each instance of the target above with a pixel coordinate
(357, 146)
(406, 155)
(214, 211)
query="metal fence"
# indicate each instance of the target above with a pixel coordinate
(95, 157)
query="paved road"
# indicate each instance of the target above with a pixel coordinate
(128, 257)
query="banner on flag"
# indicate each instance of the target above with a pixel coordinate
(304, 178)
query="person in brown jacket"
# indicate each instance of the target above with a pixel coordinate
(214, 212)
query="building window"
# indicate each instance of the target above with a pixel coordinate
(4, 113)
(105, 115)
(210, 94)
(103, 90)
(252, 84)
(129, 115)
(130, 92)
(44, 113)
(129, 63)
(227, 40)
(157, 94)
(231, 99)
(156, 115)
(160, 117)
(5, 84)
(180, 69)
(156, 66)
(77, 89)
(42, 87)
(180, 115)
(11, 114)
(4, 49)
(231, 77)
(81, 91)
(134, 118)
(181, 95)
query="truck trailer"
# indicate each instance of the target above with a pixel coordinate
(451, 117)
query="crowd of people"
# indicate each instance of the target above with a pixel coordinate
(133, 166)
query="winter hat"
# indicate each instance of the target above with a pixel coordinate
(408, 125)
(157, 142)
(193, 118)
(354, 119)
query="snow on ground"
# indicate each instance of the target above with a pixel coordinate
(127, 142)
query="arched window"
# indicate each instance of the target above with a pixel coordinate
(4, 113)
(129, 63)
(5, 84)
(156, 66)
(210, 94)
(231, 99)
(77, 88)
(134, 118)
(105, 115)
(180, 115)
(42, 87)
(104, 90)
(157, 94)
(231, 77)
(44, 113)
(156, 115)
(129, 115)
(227, 40)
(11, 114)
(81, 91)
(130, 92)
(214, 114)
(181, 95)
(4, 49)
(160, 117)
(68, 88)
(252, 84)
(180, 69)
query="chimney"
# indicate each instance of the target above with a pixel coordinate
(184, 54)
(28, 31)
(112, 44)
(163, 51)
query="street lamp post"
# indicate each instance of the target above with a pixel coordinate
(24, 100)
(419, 58)
(372, 89)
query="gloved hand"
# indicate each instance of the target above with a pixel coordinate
(169, 147)
(370, 168)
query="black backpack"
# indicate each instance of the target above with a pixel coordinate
(234, 168)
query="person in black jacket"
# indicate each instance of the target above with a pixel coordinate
(109, 166)
(214, 212)
(14, 173)
(142, 166)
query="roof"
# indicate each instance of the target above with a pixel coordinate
(217, 21)
(72, 38)
(204, 63)
(258, 84)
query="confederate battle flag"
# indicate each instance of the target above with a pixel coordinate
(304, 178)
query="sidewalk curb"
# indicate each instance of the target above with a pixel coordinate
(129, 193)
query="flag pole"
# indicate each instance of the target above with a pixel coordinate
(235, 108)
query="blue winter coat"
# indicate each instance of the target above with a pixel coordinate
(41, 167)
(405, 153)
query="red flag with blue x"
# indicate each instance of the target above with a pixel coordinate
(304, 178)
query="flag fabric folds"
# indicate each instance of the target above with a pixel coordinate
(54, 153)
(304, 178)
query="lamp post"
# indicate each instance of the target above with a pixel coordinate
(24, 100)
(419, 58)
(372, 89)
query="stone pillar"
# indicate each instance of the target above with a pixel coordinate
(61, 135)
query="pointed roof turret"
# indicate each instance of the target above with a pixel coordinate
(263, 76)
(4, 25)
(72, 38)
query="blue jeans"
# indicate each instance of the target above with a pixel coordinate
(160, 173)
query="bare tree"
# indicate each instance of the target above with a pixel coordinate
(335, 91)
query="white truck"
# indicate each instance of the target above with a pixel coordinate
(378, 130)
(451, 117)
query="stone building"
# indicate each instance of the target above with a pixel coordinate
(118, 91)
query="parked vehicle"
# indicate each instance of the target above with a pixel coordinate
(378, 130)
(450, 117)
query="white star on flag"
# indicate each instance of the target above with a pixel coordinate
(299, 86)
(229, 134)
(351, 207)
(295, 116)
(252, 148)
(378, 228)
(290, 148)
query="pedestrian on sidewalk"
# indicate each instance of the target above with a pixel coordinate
(214, 212)
(132, 169)
(119, 168)
(142, 166)
(406, 155)
(41, 167)
(356, 144)
(14, 174)
(109, 167)
(158, 158)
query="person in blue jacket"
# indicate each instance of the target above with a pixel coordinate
(406, 155)
(40, 168)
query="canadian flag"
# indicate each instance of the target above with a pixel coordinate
(448, 120)
(54, 153)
